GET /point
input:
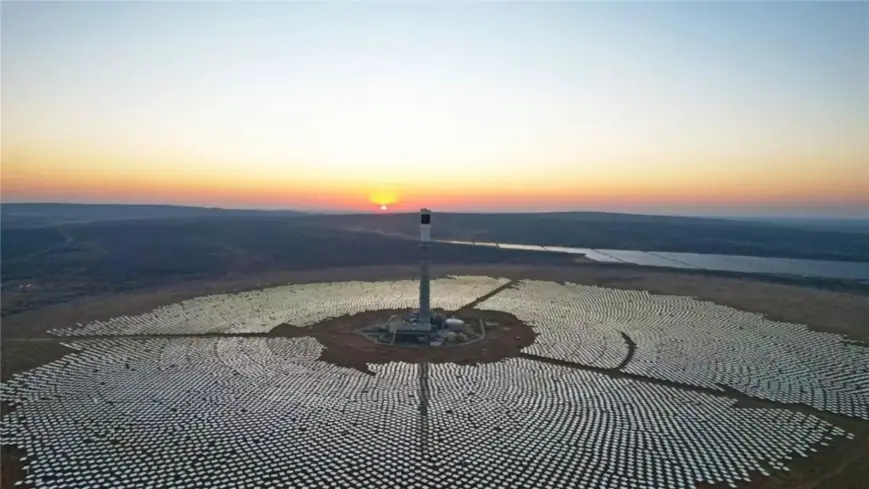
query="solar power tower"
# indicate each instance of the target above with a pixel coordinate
(425, 320)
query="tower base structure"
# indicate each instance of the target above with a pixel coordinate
(410, 331)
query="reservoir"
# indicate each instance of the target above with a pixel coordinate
(703, 261)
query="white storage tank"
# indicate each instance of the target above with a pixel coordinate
(455, 324)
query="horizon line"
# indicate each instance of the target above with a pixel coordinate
(403, 211)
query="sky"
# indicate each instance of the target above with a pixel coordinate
(730, 108)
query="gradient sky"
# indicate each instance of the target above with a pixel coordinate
(689, 108)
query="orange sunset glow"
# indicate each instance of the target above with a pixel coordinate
(561, 106)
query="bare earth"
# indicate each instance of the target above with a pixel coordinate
(26, 345)
(345, 347)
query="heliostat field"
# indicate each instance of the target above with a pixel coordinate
(618, 389)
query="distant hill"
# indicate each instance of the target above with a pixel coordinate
(49, 265)
(851, 225)
(620, 231)
(111, 249)
(15, 215)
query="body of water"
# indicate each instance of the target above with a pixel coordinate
(703, 261)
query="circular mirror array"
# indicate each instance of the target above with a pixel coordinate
(265, 412)
(249, 412)
(687, 341)
(261, 310)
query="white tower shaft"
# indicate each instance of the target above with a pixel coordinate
(424, 244)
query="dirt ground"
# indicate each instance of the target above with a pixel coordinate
(841, 465)
(345, 347)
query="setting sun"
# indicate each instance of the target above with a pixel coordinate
(383, 198)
